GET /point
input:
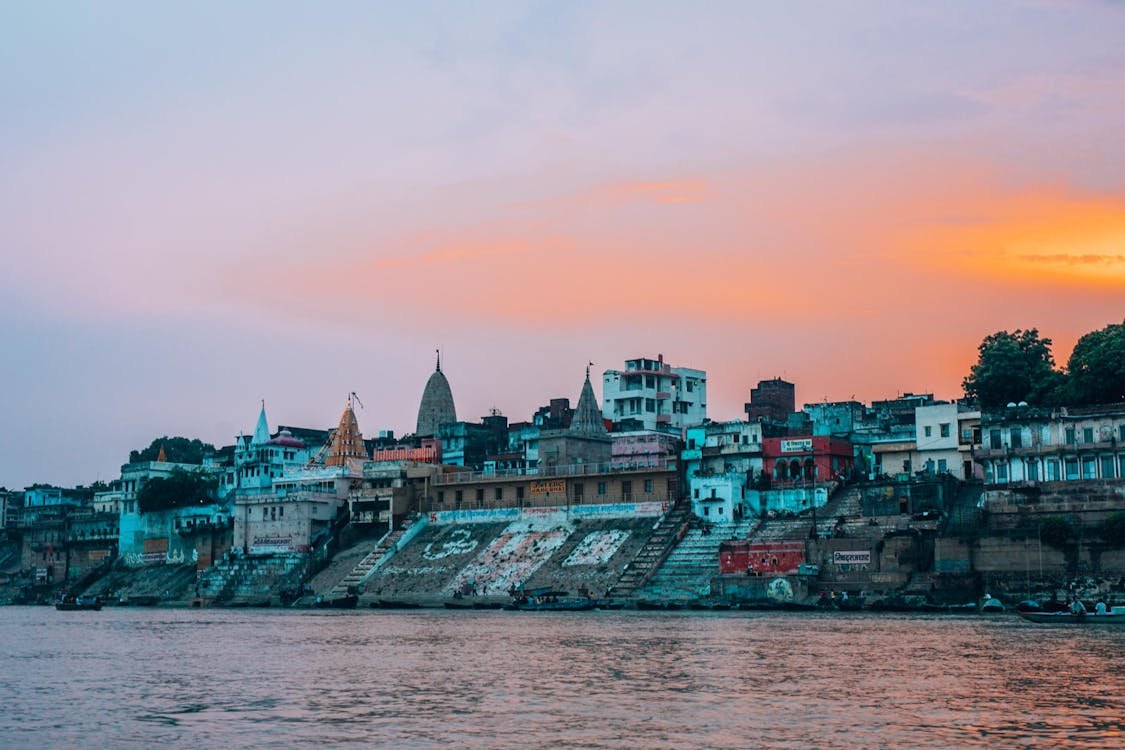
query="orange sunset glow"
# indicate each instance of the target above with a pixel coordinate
(194, 225)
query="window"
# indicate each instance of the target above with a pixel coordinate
(1121, 434)
(457, 496)
(1070, 436)
(994, 439)
(601, 488)
(627, 490)
(1071, 468)
(696, 493)
(1053, 471)
(648, 486)
(650, 404)
(519, 493)
(1107, 467)
(1088, 435)
(579, 491)
(265, 512)
(1033, 471)
(441, 496)
(480, 495)
(691, 387)
(281, 511)
(1017, 437)
(498, 493)
(942, 465)
(1001, 473)
(1088, 468)
(943, 428)
(928, 430)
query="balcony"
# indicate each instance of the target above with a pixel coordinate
(662, 463)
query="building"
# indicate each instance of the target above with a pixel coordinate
(721, 462)
(800, 460)
(1030, 444)
(944, 439)
(773, 400)
(436, 408)
(651, 395)
(584, 441)
(559, 486)
(260, 458)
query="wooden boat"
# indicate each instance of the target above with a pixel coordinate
(340, 602)
(79, 604)
(561, 605)
(394, 604)
(1114, 616)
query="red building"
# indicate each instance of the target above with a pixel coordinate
(816, 458)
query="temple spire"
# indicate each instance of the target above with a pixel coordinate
(347, 440)
(587, 419)
(262, 431)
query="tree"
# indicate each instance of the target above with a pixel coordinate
(1112, 529)
(179, 450)
(1056, 531)
(1013, 367)
(1096, 369)
(179, 489)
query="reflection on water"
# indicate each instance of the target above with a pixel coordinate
(129, 677)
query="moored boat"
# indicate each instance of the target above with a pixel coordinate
(78, 604)
(1114, 616)
(341, 602)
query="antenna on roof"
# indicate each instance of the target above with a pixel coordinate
(588, 366)
(438, 352)
(354, 395)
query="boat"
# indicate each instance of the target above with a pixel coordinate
(560, 605)
(1113, 616)
(139, 600)
(340, 602)
(551, 601)
(394, 604)
(78, 604)
(991, 605)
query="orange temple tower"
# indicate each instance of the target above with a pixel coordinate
(347, 441)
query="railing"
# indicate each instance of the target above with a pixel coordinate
(658, 463)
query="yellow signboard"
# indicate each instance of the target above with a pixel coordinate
(548, 487)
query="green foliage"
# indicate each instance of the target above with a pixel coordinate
(178, 450)
(180, 489)
(1013, 367)
(1056, 531)
(1112, 529)
(1096, 369)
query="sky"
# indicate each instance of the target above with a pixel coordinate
(204, 205)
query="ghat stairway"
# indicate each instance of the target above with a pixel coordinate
(363, 569)
(235, 578)
(688, 569)
(655, 551)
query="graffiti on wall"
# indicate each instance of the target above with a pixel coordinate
(460, 541)
(596, 548)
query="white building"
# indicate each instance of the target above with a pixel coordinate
(651, 395)
(1027, 444)
(944, 439)
(721, 460)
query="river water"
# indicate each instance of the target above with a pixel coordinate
(451, 679)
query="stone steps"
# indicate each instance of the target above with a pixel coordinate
(363, 568)
(652, 554)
